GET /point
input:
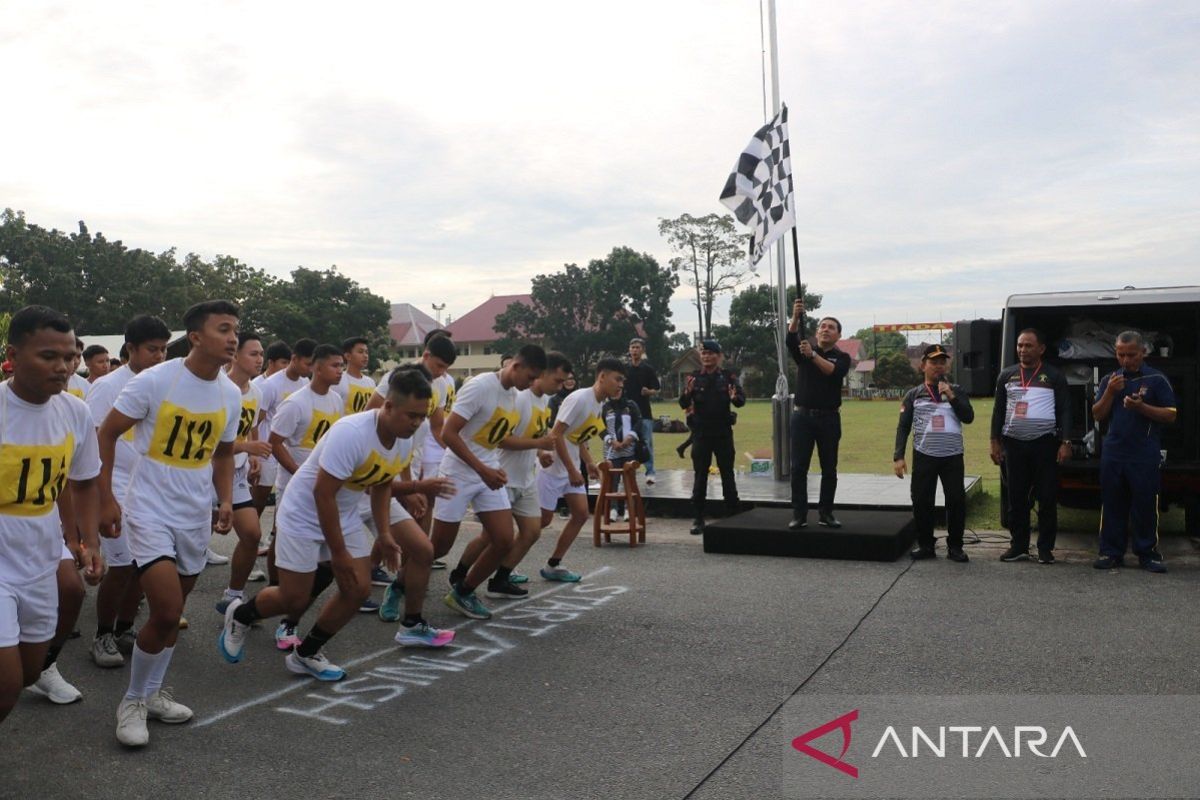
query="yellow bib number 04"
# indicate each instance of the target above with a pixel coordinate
(33, 476)
(501, 424)
(246, 420)
(592, 426)
(539, 423)
(357, 398)
(184, 438)
(322, 421)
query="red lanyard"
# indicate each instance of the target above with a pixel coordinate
(1025, 383)
(932, 396)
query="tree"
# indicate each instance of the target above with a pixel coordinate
(883, 341)
(748, 341)
(711, 256)
(324, 305)
(587, 313)
(893, 371)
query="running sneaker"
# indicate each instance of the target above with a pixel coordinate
(438, 564)
(559, 574)
(285, 637)
(131, 723)
(53, 686)
(162, 707)
(225, 600)
(232, 641)
(393, 598)
(650, 478)
(368, 606)
(125, 641)
(517, 577)
(469, 606)
(214, 558)
(421, 635)
(505, 590)
(256, 576)
(317, 666)
(379, 577)
(183, 623)
(105, 652)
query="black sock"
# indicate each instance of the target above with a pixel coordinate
(51, 656)
(412, 620)
(122, 626)
(291, 623)
(247, 612)
(462, 588)
(553, 562)
(313, 642)
(502, 574)
(457, 574)
(398, 585)
(101, 630)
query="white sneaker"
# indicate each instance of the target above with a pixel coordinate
(318, 666)
(106, 653)
(612, 515)
(256, 576)
(162, 707)
(131, 723)
(649, 480)
(54, 686)
(625, 516)
(232, 641)
(215, 559)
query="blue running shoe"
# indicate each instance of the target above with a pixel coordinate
(559, 574)
(421, 635)
(469, 605)
(517, 577)
(368, 606)
(389, 609)
(379, 577)
(316, 666)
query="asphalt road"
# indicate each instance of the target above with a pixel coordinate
(660, 676)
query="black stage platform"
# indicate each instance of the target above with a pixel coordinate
(864, 535)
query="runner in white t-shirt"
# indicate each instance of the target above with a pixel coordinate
(578, 422)
(186, 414)
(306, 415)
(47, 443)
(484, 414)
(278, 358)
(355, 388)
(146, 339)
(321, 538)
(518, 459)
(77, 384)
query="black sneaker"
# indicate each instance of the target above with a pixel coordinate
(1108, 562)
(1013, 554)
(797, 523)
(828, 520)
(922, 553)
(504, 590)
(1154, 565)
(957, 554)
(1045, 557)
(697, 527)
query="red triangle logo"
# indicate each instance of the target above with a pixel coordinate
(842, 723)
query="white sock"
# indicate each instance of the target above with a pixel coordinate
(140, 670)
(154, 680)
(230, 594)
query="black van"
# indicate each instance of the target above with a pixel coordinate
(1080, 330)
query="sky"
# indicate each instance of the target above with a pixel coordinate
(946, 154)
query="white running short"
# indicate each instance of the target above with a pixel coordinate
(302, 554)
(551, 487)
(524, 501)
(472, 492)
(29, 613)
(153, 541)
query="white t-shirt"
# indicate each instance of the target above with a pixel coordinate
(251, 404)
(304, 418)
(355, 392)
(78, 386)
(100, 399)
(534, 422)
(352, 452)
(181, 419)
(491, 414)
(580, 412)
(41, 447)
(275, 390)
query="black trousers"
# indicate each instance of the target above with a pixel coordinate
(926, 472)
(824, 432)
(1031, 469)
(705, 445)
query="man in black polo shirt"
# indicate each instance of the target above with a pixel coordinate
(816, 419)
(712, 393)
(641, 383)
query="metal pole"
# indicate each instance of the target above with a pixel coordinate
(781, 403)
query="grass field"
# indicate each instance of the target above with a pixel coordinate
(868, 436)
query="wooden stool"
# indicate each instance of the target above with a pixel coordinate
(635, 527)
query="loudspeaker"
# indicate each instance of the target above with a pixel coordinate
(977, 355)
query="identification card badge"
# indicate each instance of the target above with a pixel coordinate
(1021, 409)
(938, 422)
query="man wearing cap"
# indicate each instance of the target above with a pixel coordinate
(641, 384)
(816, 418)
(935, 412)
(1031, 420)
(711, 391)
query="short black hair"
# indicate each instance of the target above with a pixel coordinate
(277, 351)
(441, 347)
(354, 341)
(834, 320)
(195, 317)
(89, 352)
(556, 360)
(304, 348)
(123, 353)
(532, 355)
(145, 328)
(437, 332)
(32, 319)
(114, 363)
(247, 336)
(419, 367)
(609, 365)
(405, 383)
(1036, 334)
(324, 351)
(78, 344)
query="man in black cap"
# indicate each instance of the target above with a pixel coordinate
(711, 391)
(816, 418)
(935, 412)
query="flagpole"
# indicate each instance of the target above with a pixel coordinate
(781, 402)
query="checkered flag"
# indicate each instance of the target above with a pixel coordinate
(759, 190)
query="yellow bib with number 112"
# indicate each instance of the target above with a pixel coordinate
(32, 476)
(184, 438)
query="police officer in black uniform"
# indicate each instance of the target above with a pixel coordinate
(711, 392)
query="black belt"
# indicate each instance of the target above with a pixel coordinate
(815, 412)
